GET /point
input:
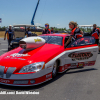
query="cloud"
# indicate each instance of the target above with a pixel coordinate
(2, 14)
(58, 24)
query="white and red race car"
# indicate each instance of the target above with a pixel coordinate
(39, 59)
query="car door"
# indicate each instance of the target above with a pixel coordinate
(81, 52)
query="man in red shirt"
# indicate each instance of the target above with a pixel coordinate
(46, 30)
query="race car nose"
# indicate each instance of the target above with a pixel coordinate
(8, 71)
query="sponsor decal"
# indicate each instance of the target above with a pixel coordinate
(81, 64)
(49, 67)
(4, 81)
(48, 76)
(67, 66)
(80, 56)
(37, 40)
(86, 64)
(63, 68)
(16, 56)
(19, 55)
(74, 65)
(90, 63)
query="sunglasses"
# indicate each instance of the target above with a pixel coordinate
(46, 25)
(69, 24)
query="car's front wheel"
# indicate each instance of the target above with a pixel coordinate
(55, 70)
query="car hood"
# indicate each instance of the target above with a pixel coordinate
(19, 57)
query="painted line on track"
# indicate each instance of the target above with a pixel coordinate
(3, 49)
(3, 44)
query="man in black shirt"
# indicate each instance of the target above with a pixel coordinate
(95, 33)
(28, 32)
(10, 34)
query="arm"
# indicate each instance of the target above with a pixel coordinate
(68, 41)
(78, 30)
(81, 32)
(26, 34)
(5, 35)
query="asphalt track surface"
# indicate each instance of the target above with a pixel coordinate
(76, 84)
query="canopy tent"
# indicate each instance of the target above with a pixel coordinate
(23, 25)
(85, 25)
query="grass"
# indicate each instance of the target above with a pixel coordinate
(2, 33)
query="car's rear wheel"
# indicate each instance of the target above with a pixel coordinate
(55, 70)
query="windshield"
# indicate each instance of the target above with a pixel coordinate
(53, 39)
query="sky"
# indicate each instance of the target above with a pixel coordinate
(58, 13)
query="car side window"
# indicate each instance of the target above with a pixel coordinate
(88, 40)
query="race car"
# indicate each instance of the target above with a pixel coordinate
(39, 59)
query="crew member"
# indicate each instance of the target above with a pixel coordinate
(10, 34)
(28, 32)
(46, 30)
(75, 33)
(95, 33)
(52, 31)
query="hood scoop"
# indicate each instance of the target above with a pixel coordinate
(30, 43)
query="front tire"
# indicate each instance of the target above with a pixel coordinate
(55, 70)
